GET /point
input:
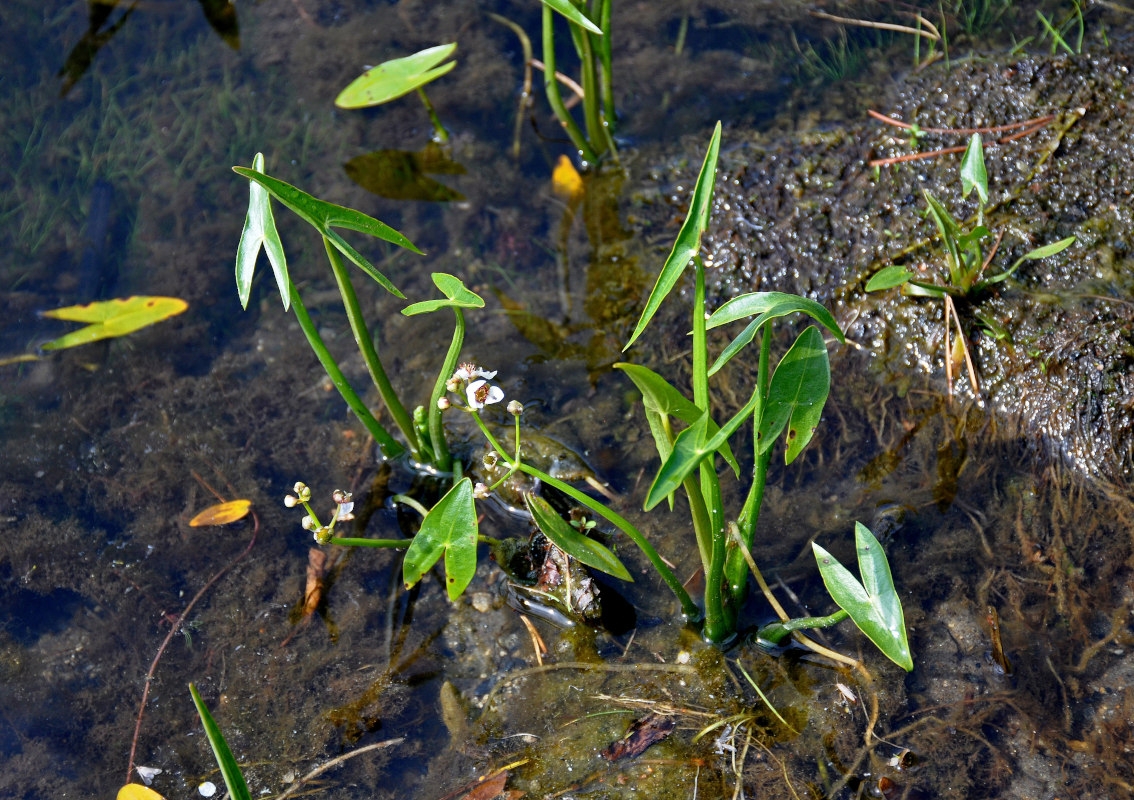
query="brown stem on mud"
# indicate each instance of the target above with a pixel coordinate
(174, 628)
(1038, 122)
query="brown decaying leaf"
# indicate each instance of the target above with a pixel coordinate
(316, 569)
(642, 733)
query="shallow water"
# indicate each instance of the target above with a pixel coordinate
(112, 448)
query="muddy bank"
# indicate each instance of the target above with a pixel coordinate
(1054, 345)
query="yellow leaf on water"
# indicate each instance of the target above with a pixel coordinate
(136, 791)
(566, 181)
(222, 514)
(111, 318)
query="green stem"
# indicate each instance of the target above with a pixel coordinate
(719, 623)
(592, 98)
(369, 353)
(736, 571)
(608, 116)
(551, 86)
(442, 459)
(688, 607)
(775, 632)
(388, 543)
(389, 445)
(439, 132)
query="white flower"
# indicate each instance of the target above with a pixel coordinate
(468, 371)
(479, 394)
(343, 514)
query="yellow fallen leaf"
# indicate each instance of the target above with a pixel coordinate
(111, 318)
(136, 791)
(222, 514)
(566, 181)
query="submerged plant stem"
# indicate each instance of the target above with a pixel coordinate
(365, 344)
(388, 444)
(554, 99)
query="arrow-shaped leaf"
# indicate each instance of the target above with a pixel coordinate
(322, 216)
(688, 241)
(112, 318)
(660, 399)
(572, 542)
(450, 528)
(873, 605)
(766, 306)
(797, 394)
(260, 231)
(456, 294)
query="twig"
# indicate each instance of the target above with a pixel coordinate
(174, 629)
(564, 79)
(334, 762)
(932, 34)
(1011, 126)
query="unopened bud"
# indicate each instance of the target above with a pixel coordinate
(308, 523)
(291, 501)
(443, 403)
(453, 385)
(515, 408)
(480, 491)
(301, 489)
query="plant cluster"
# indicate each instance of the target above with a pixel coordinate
(589, 26)
(963, 255)
(786, 400)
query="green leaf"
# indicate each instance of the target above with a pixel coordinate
(450, 528)
(397, 77)
(873, 605)
(572, 542)
(660, 399)
(888, 278)
(260, 231)
(573, 14)
(973, 173)
(767, 305)
(1050, 249)
(797, 394)
(457, 296)
(322, 216)
(112, 318)
(230, 770)
(692, 446)
(947, 227)
(688, 241)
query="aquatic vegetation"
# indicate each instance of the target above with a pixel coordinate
(230, 770)
(398, 77)
(422, 432)
(963, 256)
(788, 400)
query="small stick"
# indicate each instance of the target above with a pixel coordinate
(559, 76)
(950, 306)
(537, 641)
(1011, 126)
(172, 630)
(334, 762)
(931, 34)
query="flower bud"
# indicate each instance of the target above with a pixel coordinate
(291, 501)
(443, 402)
(480, 491)
(308, 523)
(515, 408)
(301, 489)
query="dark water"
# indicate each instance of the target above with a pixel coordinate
(126, 120)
